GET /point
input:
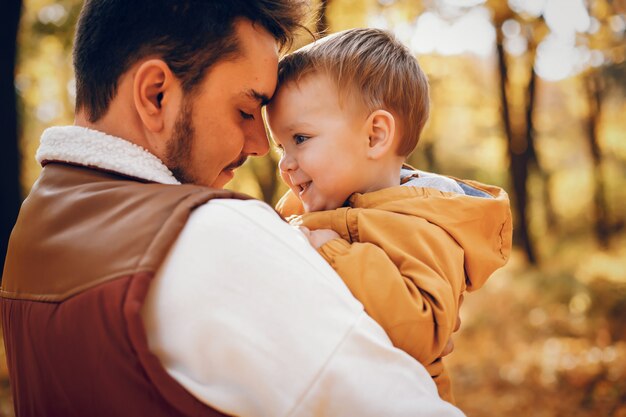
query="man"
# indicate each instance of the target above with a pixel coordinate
(128, 293)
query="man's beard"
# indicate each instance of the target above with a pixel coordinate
(178, 156)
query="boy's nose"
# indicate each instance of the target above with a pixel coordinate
(287, 163)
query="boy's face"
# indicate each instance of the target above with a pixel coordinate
(323, 144)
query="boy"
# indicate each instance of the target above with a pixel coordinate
(347, 112)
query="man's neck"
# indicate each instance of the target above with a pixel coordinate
(104, 125)
(120, 120)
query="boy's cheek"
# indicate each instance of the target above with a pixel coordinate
(285, 178)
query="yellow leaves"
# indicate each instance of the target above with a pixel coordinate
(609, 266)
(540, 31)
(246, 182)
(600, 9)
(42, 77)
(534, 343)
(42, 73)
(500, 10)
(403, 11)
(572, 190)
(350, 13)
(31, 9)
(612, 132)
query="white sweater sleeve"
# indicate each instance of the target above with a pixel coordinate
(251, 320)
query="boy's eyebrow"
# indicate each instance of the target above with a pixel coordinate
(260, 97)
(297, 126)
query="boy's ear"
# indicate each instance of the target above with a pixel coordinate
(154, 92)
(381, 131)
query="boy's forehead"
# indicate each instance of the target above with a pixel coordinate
(350, 99)
(319, 82)
(313, 95)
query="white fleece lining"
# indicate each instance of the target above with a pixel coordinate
(91, 148)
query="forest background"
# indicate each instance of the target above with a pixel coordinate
(528, 95)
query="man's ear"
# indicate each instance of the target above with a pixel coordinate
(154, 87)
(381, 128)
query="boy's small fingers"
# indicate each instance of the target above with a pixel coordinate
(449, 348)
(457, 325)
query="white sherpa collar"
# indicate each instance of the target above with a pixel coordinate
(83, 146)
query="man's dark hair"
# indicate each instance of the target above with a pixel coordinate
(189, 35)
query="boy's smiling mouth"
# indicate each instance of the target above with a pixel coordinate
(303, 187)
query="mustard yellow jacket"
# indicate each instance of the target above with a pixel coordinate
(407, 254)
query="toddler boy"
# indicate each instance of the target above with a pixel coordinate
(347, 111)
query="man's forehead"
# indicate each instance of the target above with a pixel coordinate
(251, 34)
(259, 58)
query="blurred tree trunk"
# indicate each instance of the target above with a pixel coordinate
(593, 87)
(552, 220)
(531, 95)
(520, 147)
(9, 152)
(429, 155)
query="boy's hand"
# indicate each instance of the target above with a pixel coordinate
(450, 345)
(318, 237)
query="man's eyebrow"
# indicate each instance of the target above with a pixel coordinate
(260, 97)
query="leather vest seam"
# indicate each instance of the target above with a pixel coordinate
(55, 298)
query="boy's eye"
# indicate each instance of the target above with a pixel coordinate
(246, 116)
(298, 139)
(279, 149)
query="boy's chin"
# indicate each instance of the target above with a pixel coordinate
(319, 206)
(306, 207)
(309, 207)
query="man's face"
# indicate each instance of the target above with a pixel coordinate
(322, 160)
(221, 125)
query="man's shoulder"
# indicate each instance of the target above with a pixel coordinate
(252, 224)
(238, 212)
(251, 234)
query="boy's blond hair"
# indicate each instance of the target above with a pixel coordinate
(372, 66)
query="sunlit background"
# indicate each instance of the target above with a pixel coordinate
(528, 95)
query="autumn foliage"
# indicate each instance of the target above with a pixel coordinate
(547, 335)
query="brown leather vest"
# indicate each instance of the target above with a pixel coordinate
(81, 258)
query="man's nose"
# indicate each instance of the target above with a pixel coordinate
(257, 143)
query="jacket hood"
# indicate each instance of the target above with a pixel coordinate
(478, 220)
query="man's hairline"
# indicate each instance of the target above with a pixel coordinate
(232, 56)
